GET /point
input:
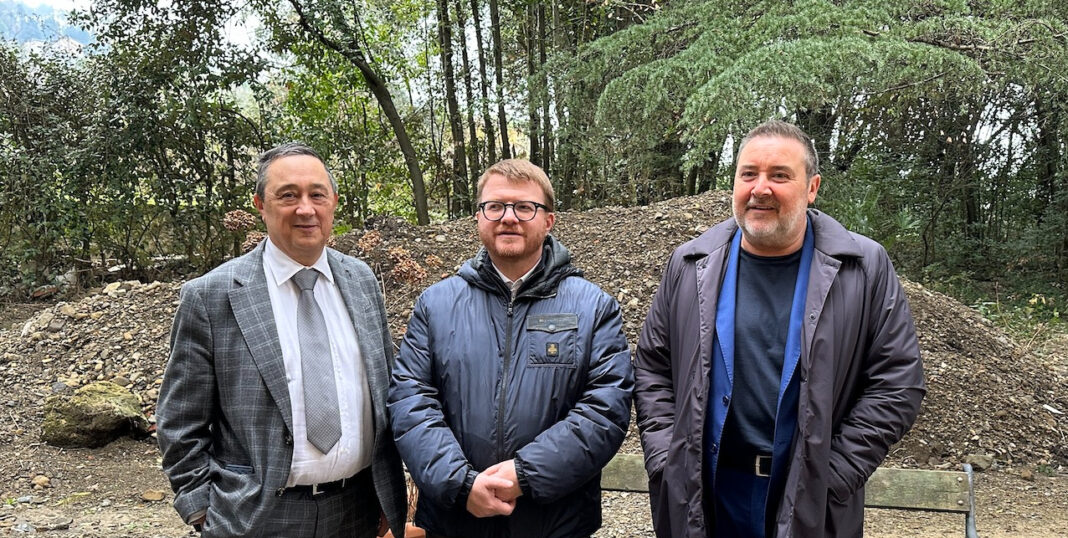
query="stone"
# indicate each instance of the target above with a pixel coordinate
(1026, 474)
(153, 495)
(67, 310)
(980, 462)
(112, 288)
(41, 481)
(24, 527)
(93, 416)
(57, 325)
(54, 524)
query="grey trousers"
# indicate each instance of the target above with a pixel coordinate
(349, 512)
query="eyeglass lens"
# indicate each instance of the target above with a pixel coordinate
(522, 210)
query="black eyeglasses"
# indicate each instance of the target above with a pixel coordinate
(523, 210)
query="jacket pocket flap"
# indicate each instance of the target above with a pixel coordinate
(552, 323)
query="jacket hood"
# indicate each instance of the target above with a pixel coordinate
(832, 238)
(554, 266)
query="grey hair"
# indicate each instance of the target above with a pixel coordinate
(288, 149)
(781, 129)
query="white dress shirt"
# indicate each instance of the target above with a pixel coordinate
(352, 453)
(514, 285)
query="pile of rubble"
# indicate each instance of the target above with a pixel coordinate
(987, 397)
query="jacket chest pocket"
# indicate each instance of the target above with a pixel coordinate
(552, 339)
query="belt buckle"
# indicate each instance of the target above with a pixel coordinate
(315, 490)
(757, 465)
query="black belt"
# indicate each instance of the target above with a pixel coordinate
(327, 487)
(759, 465)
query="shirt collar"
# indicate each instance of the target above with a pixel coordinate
(515, 284)
(283, 267)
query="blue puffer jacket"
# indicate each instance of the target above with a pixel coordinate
(544, 379)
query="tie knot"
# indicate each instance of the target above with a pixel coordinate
(305, 279)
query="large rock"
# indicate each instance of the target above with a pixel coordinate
(92, 416)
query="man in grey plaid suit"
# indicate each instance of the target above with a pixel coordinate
(272, 420)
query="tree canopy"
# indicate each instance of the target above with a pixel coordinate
(940, 123)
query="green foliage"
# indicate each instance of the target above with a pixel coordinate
(941, 125)
(128, 154)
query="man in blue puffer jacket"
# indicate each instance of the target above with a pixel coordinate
(512, 387)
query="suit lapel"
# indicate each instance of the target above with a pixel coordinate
(364, 315)
(250, 301)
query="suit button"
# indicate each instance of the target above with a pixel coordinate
(288, 440)
(715, 448)
(279, 492)
(726, 400)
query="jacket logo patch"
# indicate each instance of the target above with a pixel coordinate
(552, 349)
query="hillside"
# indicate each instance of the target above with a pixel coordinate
(987, 394)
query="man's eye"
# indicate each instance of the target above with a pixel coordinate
(495, 206)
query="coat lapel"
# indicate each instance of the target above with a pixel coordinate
(250, 301)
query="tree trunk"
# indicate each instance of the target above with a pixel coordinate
(473, 165)
(498, 68)
(487, 120)
(547, 128)
(534, 133)
(1047, 154)
(462, 201)
(352, 52)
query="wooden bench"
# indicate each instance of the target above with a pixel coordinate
(899, 489)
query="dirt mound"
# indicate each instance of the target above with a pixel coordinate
(986, 394)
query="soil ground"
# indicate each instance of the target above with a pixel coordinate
(100, 493)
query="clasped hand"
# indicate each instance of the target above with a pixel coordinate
(494, 491)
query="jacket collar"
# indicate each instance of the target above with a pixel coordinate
(555, 266)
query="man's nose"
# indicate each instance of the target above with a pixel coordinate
(305, 206)
(509, 209)
(762, 187)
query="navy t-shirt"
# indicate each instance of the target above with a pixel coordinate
(761, 324)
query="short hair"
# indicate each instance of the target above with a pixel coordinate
(516, 170)
(288, 149)
(781, 129)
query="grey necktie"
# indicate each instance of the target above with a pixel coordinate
(316, 366)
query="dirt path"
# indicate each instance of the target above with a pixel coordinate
(100, 493)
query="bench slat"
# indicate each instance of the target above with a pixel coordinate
(910, 489)
(626, 472)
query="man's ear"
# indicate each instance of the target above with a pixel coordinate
(813, 187)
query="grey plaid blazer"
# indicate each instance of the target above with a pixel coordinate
(224, 420)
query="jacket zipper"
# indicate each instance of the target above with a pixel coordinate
(504, 383)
